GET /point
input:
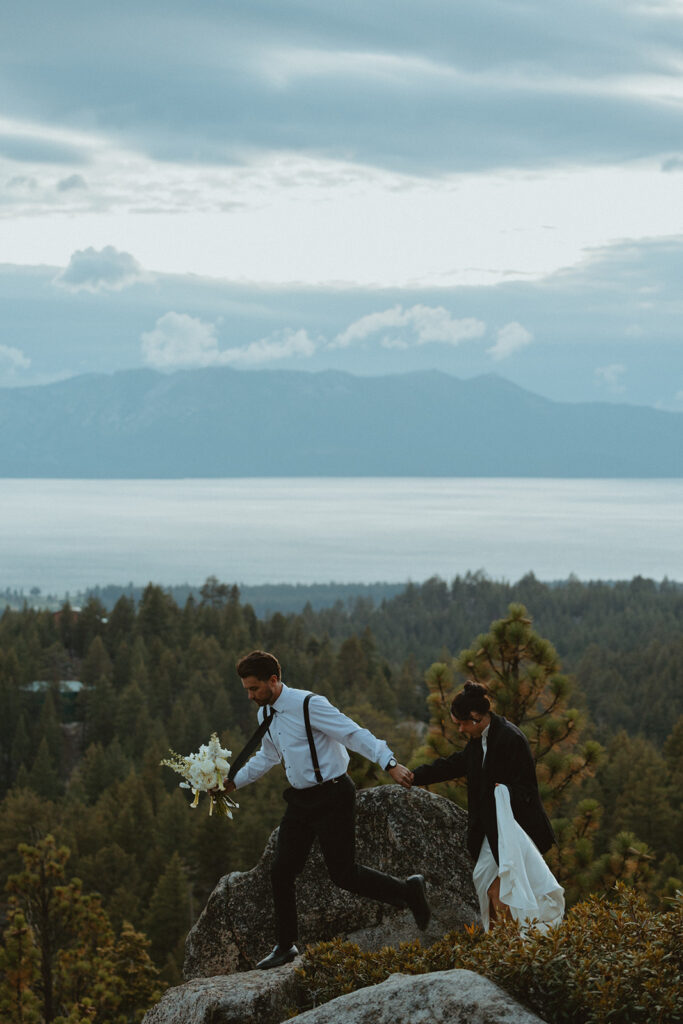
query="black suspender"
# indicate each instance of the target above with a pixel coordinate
(262, 729)
(251, 744)
(309, 733)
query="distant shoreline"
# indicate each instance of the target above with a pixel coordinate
(268, 598)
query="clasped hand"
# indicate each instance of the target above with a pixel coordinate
(402, 775)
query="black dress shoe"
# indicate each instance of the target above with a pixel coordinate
(280, 955)
(417, 901)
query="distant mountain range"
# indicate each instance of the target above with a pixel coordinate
(224, 422)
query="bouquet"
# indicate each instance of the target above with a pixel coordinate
(205, 771)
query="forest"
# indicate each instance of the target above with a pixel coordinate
(100, 854)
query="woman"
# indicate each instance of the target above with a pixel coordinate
(497, 754)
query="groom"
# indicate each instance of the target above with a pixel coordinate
(310, 737)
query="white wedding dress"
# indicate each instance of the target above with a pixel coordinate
(527, 885)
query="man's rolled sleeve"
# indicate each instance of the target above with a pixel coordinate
(329, 720)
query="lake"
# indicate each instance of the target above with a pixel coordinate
(65, 535)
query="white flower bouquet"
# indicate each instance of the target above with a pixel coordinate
(204, 772)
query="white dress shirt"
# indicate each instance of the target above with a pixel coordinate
(286, 741)
(484, 742)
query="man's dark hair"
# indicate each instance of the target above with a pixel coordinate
(472, 697)
(259, 664)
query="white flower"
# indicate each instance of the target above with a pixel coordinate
(203, 772)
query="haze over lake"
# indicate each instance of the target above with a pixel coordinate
(64, 535)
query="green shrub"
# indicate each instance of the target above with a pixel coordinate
(613, 960)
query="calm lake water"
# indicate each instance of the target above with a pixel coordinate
(69, 534)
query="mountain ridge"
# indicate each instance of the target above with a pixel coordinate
(222, 422)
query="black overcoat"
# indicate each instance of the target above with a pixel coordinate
(508, 760)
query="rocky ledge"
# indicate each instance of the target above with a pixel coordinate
(399, 831)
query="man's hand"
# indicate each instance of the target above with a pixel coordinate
(228, 787)
(402, 775)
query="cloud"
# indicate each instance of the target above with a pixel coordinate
(424, 325)
(73, 181)
(491, 84)
(611, 376)
(279, 345)
(509, 339)
(13, 359)
(24, 147)
(179, 340)
(673, 163)
(106, 270)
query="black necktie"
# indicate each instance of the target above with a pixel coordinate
(251, 745)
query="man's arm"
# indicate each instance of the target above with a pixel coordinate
(330, 720)
(262, 761)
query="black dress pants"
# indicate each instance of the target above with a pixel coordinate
(328, 812)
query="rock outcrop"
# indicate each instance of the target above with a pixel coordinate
(399, 831)
(444, 997)
(264, 997)
(268, 997)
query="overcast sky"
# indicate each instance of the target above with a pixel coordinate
(474, 186)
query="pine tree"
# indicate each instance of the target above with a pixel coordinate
(21, 747)
(97, 663)
(43, 776)
(673, 756)
(38, 889)
(93, 772)
(168, 918)
(78, 971)
(628, 860)
(139, 978)
(18, 971)
(522, 672)
(442, 737)
(50, 728)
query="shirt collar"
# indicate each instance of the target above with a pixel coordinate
(282, 703)
(484, 735)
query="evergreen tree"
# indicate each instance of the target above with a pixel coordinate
(442, 738)
(18, 972)
(10, 713)
(140, 986)
(168, 918)
(131, 711)
(50, 729)
(77, 971)
(214, 593)
(673, 755)
(38, 890)
(43, 777)
(628, 860)
(97, 663)
(121, 624)
(21, 747)
(522, 672)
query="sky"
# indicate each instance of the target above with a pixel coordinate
(375, 187)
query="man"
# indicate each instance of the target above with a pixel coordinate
(497, 753)
(310, 736)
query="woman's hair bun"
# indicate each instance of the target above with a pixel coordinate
(472, 697)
